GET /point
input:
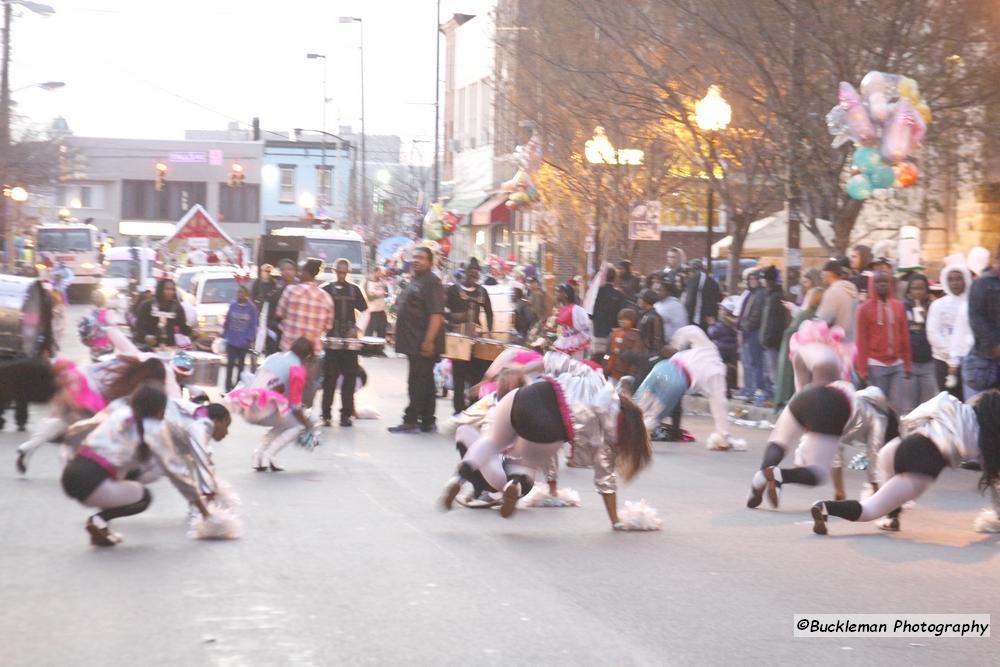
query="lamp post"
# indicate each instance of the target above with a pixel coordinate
(364, 154)
(600, 151)
(18, 195)
(322, 175)
(712, 114)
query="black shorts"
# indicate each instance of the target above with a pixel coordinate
(81, 476)
(535, 414)
(821, 409)
(918, 454)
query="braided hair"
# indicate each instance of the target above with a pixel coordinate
(148, 402)
(988, 415)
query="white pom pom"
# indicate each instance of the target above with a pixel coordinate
(367, 412)
(987, 521)
(639, 516)
(717, 442)
(222, 523)
(539, 497)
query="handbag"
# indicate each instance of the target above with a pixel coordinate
(979, 372)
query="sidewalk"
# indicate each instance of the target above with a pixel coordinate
(736, 409)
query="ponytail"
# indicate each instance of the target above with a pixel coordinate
(148, 401)
(988, 415)
(633, 451)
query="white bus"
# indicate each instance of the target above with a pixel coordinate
(301, 243)
(75, 245)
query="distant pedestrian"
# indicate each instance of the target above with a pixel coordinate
(420, 336)
(628, 282)
(608, 302)
(701, 296)
(239, 332)
(840, 300)
(923, 384)
(306, 311)
(883, 341)
(944, 318)
(376, 290)
(573, 322)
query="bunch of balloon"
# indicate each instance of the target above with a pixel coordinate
(523, 193)
(886, 121)
(439, 225)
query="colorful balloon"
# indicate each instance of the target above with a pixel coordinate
(883, 176)
(866, 158)
(859, 187)
(445, 244)
(857, 116)
(924, 111)
(903, 132)
(873, 82)
(878, 106)
(909, 89)
(906, 174)
(836, 124)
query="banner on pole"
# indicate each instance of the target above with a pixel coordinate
(644, 222)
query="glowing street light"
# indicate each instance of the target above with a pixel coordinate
(19, 194)
(599, 150)
(307, 200)
(712, 112)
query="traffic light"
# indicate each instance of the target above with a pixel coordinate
(236, 173)
(161, 176)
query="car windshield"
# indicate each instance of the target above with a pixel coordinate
(121, 268)
(330, 250)
(185, 279)
(219, 290)
(64, 239)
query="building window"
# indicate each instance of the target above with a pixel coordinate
(141, 200)
(324, 178)
(81, 196)
(286, 193)
(240, 204)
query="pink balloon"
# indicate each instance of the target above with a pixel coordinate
(903, 132)
(857, 116)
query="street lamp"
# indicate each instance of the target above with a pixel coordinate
(364, 154)
(323, 174)
(18, 195)
(599, 150)
(712, 114)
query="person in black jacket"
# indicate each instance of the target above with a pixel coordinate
(608, 302)
(922, 384)
(774, 320)
(286, 277)
(158, 319)
(466, 302)
(748, 323)
(702, 296)
(342, 364)
(628, 282)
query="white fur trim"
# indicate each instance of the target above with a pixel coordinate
(539, 497)
(640, 516)
(987, 521)
(717, 442)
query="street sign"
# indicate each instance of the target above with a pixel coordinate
(644, 222)
(188, 157)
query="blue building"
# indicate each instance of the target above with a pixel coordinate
(293, 187)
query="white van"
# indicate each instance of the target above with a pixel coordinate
(120, 266)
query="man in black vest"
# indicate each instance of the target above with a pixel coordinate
(465, 303)
(343, 364)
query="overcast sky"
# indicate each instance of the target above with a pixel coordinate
(143, 68)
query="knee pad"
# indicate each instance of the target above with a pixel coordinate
(526, 482)
(462, 449)
(467, 472)
(145, 501)
(772, 455)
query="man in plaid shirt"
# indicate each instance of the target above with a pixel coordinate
(306, 310)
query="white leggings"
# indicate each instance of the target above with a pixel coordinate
(486, 453)
(816, 451)
(49, 429)
(893, 490)
(115, 493)
(283, 432)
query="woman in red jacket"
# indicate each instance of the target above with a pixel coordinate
(883, 339)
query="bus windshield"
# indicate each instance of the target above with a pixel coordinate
(219, 290)
(121, 268)
(330, 250)
(65, 240)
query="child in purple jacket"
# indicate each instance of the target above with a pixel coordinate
(239, 332)
(723, 334)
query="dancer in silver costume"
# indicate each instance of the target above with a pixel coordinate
(132, 443)
(537, 419)
(937, 434)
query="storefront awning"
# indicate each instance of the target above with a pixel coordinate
(492, 210)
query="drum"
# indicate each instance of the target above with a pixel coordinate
(372, 346)
(487, 349)
(457, 346)
(25, 317)
(331, 343)
(206, 369)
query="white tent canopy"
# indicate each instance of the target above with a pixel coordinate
(768, 237)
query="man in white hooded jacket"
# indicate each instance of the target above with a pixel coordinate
(943, 327)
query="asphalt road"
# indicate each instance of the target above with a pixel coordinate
(346, 560)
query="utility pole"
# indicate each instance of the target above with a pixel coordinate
(437, 103)
(5, 118)
(793, 192)
(364, 153)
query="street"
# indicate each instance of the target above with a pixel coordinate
(345, 559)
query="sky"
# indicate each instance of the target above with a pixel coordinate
(154, 68)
